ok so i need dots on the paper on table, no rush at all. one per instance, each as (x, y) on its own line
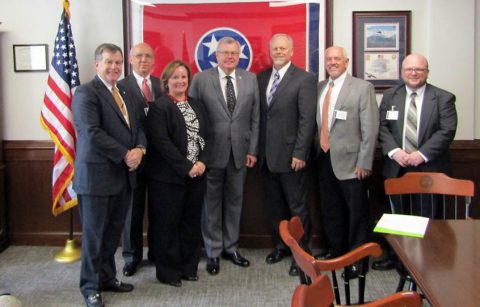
(404, 225)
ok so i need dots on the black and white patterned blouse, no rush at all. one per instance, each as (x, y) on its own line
(195, 142)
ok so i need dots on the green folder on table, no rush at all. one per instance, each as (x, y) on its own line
(403, 225)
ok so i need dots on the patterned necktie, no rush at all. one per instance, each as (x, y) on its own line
(120, 104)
(231, 100)
(275, 83)
(411, 139)
(147, 93)
(324, 143)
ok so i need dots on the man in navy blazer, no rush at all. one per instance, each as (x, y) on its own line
(110, 146)
(233, 148)
(437, 124)
(144, 89)
(286, 132)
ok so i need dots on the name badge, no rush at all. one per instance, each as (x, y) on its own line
(146, 111)
(392, 115)
(341, 115)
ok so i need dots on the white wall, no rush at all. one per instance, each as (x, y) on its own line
(36, 21)
(443, 30)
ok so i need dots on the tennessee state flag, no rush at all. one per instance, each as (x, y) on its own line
(191, 32)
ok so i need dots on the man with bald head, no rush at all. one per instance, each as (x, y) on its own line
(144, 89)
(436, 121)
(347, 121)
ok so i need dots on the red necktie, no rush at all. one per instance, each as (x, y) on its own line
(147, 93)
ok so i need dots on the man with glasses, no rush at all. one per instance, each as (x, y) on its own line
(144, 89)
(418, 122)
(230, 95)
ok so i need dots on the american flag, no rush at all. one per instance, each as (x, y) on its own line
(56, 115)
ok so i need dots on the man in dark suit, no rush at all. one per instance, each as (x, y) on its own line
(110, 146)
(144, 89)
(230, 95)
(288, 100)
(437, 123)
(347, 121)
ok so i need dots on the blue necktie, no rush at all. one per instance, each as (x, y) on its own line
(276, 81)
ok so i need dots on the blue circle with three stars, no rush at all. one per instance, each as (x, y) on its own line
(207, 45)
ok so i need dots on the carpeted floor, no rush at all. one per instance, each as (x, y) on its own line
(32, 275)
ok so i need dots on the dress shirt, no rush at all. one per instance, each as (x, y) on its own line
(337, 86)
(140, 82)
(223, 83)
(281, 73)
(419, 102)
(109, 86)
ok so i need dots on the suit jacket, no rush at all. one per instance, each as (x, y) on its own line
(130, 83)
(103, 139)
(287, 125)
(236, 133)
(438, 124)
(167, 160)
(352, 141)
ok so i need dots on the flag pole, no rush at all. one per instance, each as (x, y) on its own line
(57, 118)
(71, 252)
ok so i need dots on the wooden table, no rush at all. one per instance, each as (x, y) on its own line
(445, 264)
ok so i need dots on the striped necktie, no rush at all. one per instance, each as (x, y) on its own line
(411, 138)
(276, 81)
(120, 104)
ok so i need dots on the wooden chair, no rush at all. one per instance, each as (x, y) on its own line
(320, 294)
(434, 195)
(454, 196)
(291, 231)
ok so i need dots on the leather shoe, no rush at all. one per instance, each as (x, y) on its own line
(353, 271)
(384, 264)
(173, 283)
(190, 277)
(277, 255)
(294, 269)
(236, 258)
(213, 266)
(117, 286)
(130, 268)
(94, 300)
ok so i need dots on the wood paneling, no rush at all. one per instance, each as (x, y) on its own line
(30, 221)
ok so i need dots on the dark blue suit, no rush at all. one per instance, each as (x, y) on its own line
(176, 199)
(102, 179)
(132, 242)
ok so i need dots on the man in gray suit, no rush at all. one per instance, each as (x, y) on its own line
(144, 89)
(437, 123)
(110, 146)
(347, 118)
(230, 95)
(288, 100)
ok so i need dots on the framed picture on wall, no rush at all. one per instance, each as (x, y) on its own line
(381, 40)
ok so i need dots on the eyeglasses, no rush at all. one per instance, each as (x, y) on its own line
(229, 53)
(416, 70)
